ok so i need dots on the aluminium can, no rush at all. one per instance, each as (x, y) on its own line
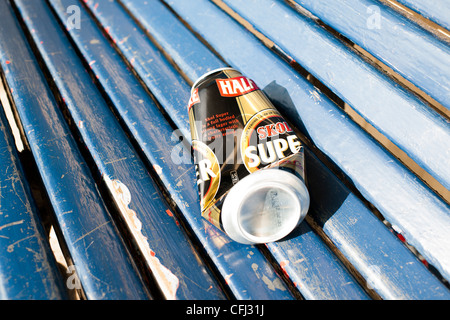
(249, 162)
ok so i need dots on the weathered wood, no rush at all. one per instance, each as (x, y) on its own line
(138, 111)
(113, 77)
(435, 10)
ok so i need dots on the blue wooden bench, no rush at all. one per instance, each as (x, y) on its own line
(99, 91)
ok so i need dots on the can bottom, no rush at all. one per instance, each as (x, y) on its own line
(265, 206)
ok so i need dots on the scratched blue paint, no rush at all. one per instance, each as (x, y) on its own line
(234, 261)
(115, 157)
(435, 10)
(406, 256)
(303, 275)
(27, 267)
(398, 42)
(401, 117)
(395, 191)
(95, 247)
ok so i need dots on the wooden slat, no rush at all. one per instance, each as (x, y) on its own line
(332, 288)
(399, 196)
(393, 39)
(437, 11)
(27, 267)
(142, 207)
(137, 109)
(95, 246)
(402, 118)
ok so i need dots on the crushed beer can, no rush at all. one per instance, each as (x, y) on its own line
(249, 162)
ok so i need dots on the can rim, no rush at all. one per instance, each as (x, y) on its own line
(201, 78)
(263, 178)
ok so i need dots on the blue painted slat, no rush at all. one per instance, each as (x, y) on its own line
(435, 10)
(303, 275)
(142, 207)
(399, 196)
(395, 40)
(100, 257)
(406, 121)
(175, 39)
(313, 269)
(27, 267)
(234, 261)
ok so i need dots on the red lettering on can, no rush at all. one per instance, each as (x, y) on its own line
(273, 129)
(262, 134)
(234, 87)
(280, 127)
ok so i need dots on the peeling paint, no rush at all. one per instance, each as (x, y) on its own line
(283, 265)
(10, 248)
(271, 285)
(167, 281)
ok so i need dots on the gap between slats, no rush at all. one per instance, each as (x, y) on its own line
(143, 157)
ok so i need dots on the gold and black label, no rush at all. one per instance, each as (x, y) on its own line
(235, 131)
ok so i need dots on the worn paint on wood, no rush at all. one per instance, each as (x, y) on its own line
(398, 42)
